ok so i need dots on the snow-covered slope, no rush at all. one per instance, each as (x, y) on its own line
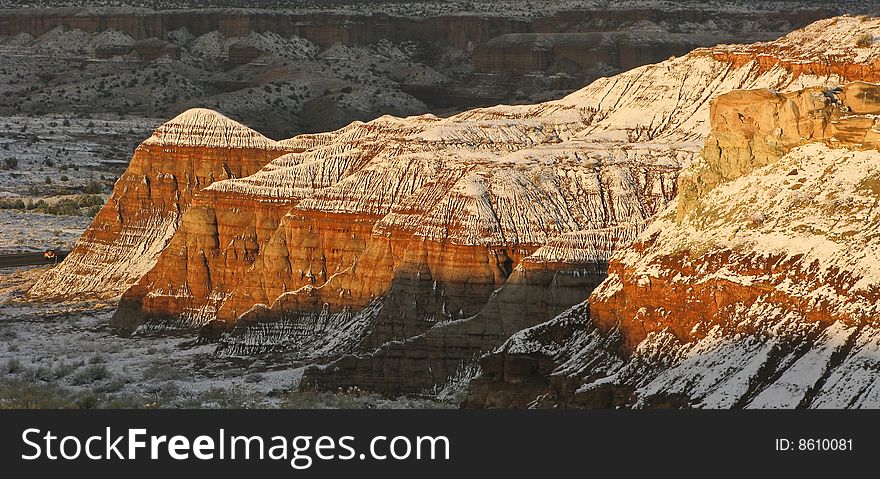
(760, 290)
(200, 127)
(842, 45)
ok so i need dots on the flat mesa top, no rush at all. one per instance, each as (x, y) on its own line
(202, 127)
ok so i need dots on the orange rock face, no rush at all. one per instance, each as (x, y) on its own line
(751, 132)
(148, 201)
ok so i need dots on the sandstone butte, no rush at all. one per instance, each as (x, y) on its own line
(757, 287)
(402, 248)
(183, 156)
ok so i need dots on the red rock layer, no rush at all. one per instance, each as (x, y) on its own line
(146, 206)
(766, 61)
(842, 46)
(687, 287)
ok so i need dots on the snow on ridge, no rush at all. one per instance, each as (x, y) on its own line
(614, 138)
(587, 246)
(109, 267)
(829, 230)
(843, 39)
(202, 127)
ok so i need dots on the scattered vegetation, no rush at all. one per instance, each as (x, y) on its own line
(63, 369)
(353, 398)
(71, 205)
(13, 366)
(90, 374)
(26, 394)
(163, 371)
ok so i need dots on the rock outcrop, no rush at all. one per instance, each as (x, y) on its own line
(675, 113)
(123, 242)
(759, 288)
(396, 252)
(436, 210)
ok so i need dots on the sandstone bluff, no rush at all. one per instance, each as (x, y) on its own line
(396, 252)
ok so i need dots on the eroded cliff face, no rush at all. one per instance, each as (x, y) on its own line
(398, 251)
(655, 113)
(464, 197)
(183, 156)
(759, 288)
(398, 207)
(845, 47)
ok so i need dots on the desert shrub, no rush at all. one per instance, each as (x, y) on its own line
(40, 373)
(19, 394)
(93, 187)
(97, 359)
(12, 204)
(326, 400)
(865, 40)
(112, 386)
(74, 205)
(91, 211)
(162, 371)
(65, 369)
(13, 366)
(10, 163)
(163, 393)
(353, 398)
(232, 398)
(91, 374)
(87, 401)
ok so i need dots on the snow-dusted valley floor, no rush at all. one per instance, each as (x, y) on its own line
(56, 171)
(64, 355)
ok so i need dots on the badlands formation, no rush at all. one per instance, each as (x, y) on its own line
(757, 287)
(395, 253)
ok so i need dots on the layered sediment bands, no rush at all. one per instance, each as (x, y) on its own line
(760, 290)
(324, 29)
(444, 357)
(425, 289)
(813, 154)
(455, 203)
(483, 56)
(413, 245)
(840, 46)
(531, 370)
(196, 280)
(183, 156)
(327, 29)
